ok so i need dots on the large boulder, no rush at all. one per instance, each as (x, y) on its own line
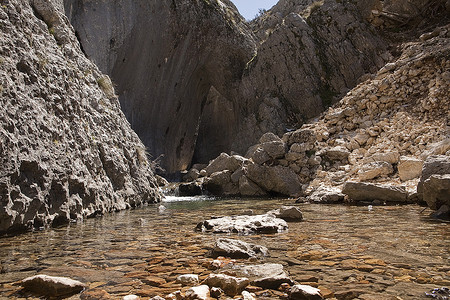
(244, 224)
(224, 162)
(278, 179)
(249, 188)
(433, 165)
(359, 191)
(237, 249)
(220, 184)
(374, 169)
(51, 286)
(326, 194)
(436, 191)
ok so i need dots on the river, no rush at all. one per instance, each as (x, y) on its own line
(379, 252)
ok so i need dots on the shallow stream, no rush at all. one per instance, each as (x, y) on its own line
(347, 251)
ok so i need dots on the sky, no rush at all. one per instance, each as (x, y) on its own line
(250, 8)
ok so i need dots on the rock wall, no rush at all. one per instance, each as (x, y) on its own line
(371, 145)
(186, 68)
(66, 149)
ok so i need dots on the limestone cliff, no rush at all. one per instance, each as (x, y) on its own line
(195, 79)
(66, 150)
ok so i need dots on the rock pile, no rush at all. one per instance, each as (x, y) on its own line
(378, 136)
(67, 151)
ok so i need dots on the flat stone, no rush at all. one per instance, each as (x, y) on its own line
(244, 224)
(359, 191)
(52, 286)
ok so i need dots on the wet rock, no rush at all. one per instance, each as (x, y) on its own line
(288, 213)
(436, 191)
(409, 168)
(433, 165)
(52, 286)
(268, 276)
(359, 191)
(439, 293)
(200, 292)
(161, 181)
(190, 189)
(278, 179)
(188, 279)
(304, 292)
(216, 292)
(229, 284)
(237, 249)
(244, 224)
(443, 213)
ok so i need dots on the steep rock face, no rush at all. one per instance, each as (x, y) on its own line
(194, 80)
(310, 53)
(165, 56)
(66, 149)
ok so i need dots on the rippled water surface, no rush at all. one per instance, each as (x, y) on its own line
(346, 251)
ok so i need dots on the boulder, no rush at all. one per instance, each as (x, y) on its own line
(275, 149)
(436, 164)
(249, 188)
(278, 179)
(326, 194)
(257, 154)
(338, 153)
(436, 191)
(237, 249)
(200, 292)
(229, 284)
(359, 191)
(191, 175)
(304, 292)
(190, 189)
(269, 137)
(244, 224)
(288, 213)
(188, 279)
(51, 286)
(409, 168)
(374, 169)
(224, 162)
(220, 184)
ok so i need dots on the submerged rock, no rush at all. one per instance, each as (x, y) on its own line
(304, 292)
(51, 286)
(244, 224)
(237, 249)
(229, 284)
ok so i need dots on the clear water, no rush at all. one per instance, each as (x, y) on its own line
(386, 251)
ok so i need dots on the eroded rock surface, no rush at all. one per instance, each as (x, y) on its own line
(244, 224)
(67, 151)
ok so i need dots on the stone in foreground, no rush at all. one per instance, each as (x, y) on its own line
(305, 292)
(237, 249)
(436, 191)
(188, 279)
(200, 292)
(244, 224)
(359, 191)
(229, 284)
(52, 286)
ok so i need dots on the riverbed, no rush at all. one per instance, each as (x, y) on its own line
(379, 252)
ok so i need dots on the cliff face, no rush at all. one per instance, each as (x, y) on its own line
(66, 149)
(164, 57)
(194, 79)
